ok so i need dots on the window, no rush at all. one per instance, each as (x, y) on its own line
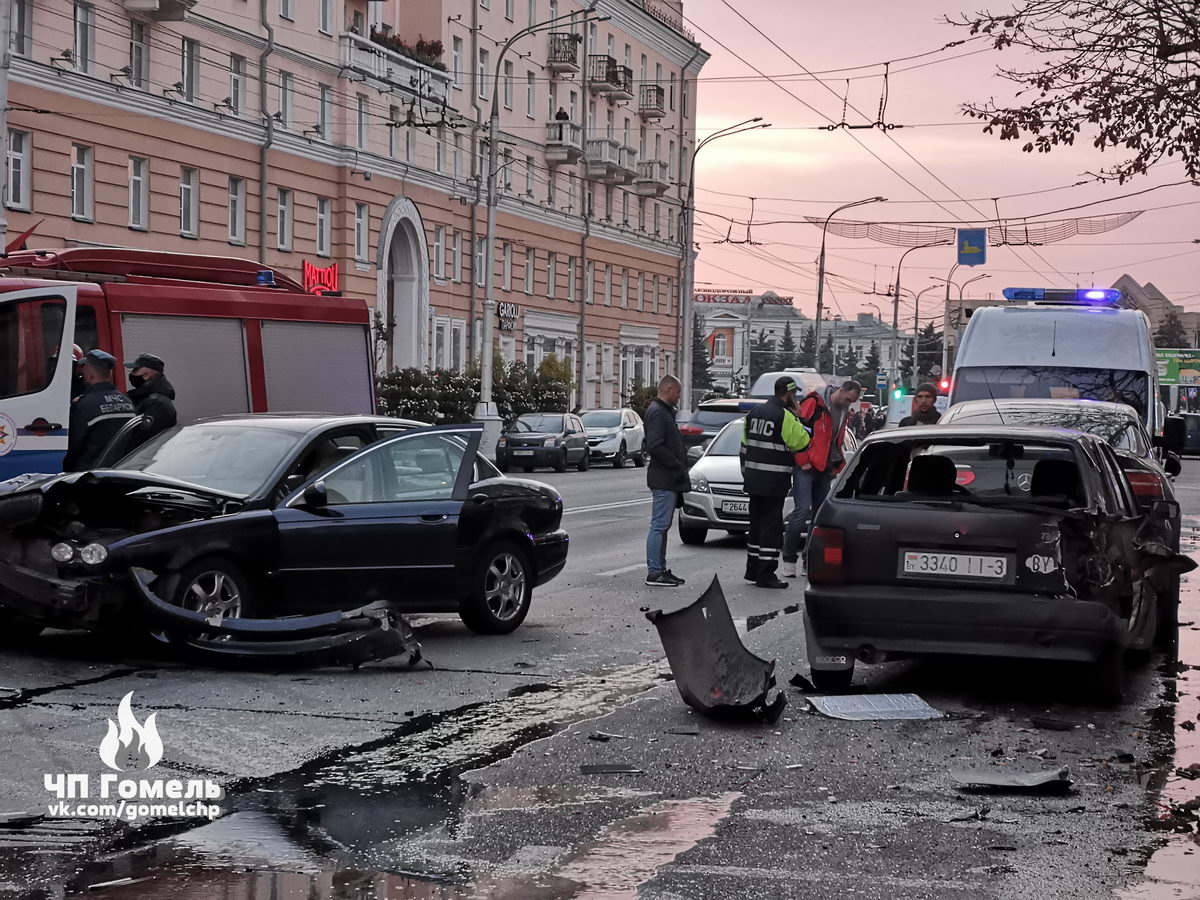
(480, 262)
(506, 263)
(22, 27)
(287, 9)
(362, 226)
(671, 92)
(283, 219)
(456, 156)
(139, 192)
(571, 279)
(324, 15)
(530, 95)
(360, 128)
(439, 150)
(189, 201)
(456, 61)
(589, 283)
(483, 73)
(486, 4)
(608, 279)
(671, 224)
(657, 289)
(624, 289)
(409, 146)
(508, 9)
(641, 294)
(642, 68)
(237, 210)
(85, 36)
(237, 84)
(17, 194)
(439, 252)
(420, 467)
(657, 220)
(81, 182)
(530, 266)
(325, 112)
(139, 55)
(528, 176)
(551, 275)
(189, 69)
(508, 84)
(286, 93)
(531, 12)
(456, 258)
(324, 225)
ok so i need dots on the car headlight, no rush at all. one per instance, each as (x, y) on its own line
(700, 484)
(550, 442)
(93, 554)
(62, 553)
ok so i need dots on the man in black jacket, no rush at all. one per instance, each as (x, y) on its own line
(97, 414)
(925, 412)
(152, 395)
(666, 476)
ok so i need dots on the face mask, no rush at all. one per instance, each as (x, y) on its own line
(137, 380)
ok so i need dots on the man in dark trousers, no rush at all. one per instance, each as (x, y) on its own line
(770, 438)
(97, 414)
(926, 412)
(666, 476)
(152, 395)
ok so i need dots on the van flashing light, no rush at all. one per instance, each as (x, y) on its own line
(1080, 296)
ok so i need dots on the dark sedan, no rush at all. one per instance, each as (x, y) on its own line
(548, 440)
(710, 417)
(905, 560)
(267, 515)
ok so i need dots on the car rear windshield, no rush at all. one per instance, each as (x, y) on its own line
(1050, 382)
(728, 442)
(233, 459)
(538, 422)
(601, 418)
(715, 419)
(980, 470)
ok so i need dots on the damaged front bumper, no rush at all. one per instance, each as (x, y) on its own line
(59, 602)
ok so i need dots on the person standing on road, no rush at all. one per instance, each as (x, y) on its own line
(826, 413)
(770, 437)
(97, 414)
(152, 395)
(926, 412)
(666, 476)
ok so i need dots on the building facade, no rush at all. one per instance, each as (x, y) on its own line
(352, 134)
(1157, 306)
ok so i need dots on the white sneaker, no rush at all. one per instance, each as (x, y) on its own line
(789, 569)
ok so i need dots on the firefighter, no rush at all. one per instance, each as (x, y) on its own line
(152, 395)
(770, 437)
(97, 414)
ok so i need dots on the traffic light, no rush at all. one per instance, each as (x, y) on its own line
(944, 385)
(897, 391)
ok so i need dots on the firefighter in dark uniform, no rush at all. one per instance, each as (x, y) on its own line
(772, 434)
(97, 414)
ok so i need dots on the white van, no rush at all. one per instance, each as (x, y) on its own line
(807, 380)
(1064, 351)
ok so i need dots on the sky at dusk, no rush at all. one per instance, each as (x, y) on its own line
(795, 160)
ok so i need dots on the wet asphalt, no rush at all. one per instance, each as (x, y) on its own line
(468, 778)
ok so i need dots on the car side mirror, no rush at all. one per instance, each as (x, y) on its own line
(1165, 510)
(1173, 436)
(694, 454)
(315, 496)
(1172, 464)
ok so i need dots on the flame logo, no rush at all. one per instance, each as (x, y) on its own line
(139, 745)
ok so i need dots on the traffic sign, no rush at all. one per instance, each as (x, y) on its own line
(972, 246)
(881, 381)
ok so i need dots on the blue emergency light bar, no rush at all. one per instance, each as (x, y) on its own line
(1081, 296)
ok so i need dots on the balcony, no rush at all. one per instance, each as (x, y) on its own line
(602, 160)
(653, 101)
(627, 165)
(564, 142)
(564, 54)
(366, 56)
(604, 74)
(159, 10)
(624, 85)
(653, 178)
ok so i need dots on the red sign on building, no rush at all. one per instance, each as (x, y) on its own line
(318, 280)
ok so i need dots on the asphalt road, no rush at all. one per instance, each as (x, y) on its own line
(464, 779)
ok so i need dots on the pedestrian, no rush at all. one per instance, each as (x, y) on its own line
(97, 414)
(560, 117)
(926, 412)
(826, 414)
(152, 395)
(770, 437)
(666, 476)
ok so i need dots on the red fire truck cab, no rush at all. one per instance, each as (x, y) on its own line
(235, 336)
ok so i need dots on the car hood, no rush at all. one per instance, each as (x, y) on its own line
(599, 430)
(721, 469)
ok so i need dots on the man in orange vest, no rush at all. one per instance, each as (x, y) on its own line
(826, 413)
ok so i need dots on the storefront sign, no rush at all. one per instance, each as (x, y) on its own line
(318, 280)
(508, 313)
(768, 300)
(1178, 366)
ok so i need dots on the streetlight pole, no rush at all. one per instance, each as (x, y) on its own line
(689, 257)
(821, 268)
(485, 410)
(917, 332)
(946, 320)
(895, 367)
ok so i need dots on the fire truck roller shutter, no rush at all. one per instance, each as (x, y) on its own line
(206, 360)
(317, 367)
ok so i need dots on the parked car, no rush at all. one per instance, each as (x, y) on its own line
(554, 440)
(904, 560)
(1191, 441)
(717, 499)
(616, 435)
(273, 515)
(710, 417)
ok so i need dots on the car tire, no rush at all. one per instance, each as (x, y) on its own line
(14, 632)
(585, 461)
(692, 534)
(503, 466)
(500, 590)
(560, 464)
(1167, 635)
(619, 458)
(832, 681)
(639, 459)
(212, 584)
(1108, 676)
(1142, 641)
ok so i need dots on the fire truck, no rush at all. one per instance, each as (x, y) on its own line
(235, 336)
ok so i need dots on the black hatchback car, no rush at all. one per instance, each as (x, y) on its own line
(903, 559)
(271, 515)
(553, 440)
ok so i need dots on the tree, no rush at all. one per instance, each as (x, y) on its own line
(762, 355)
(788, 357)
(871, 363)
(826, 362)
(808, 349)
(1122, 74)
(847, 361)
(702, 379)
(904, 370)
(929, 345)
(1171, 333)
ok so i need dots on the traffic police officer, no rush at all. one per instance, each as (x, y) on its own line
(770, 437)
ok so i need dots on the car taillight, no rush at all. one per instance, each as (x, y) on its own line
(1146, 485)
(690, 429)
(826, 556)
(964, 476)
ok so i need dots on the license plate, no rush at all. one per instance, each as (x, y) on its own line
(736, 507)
(522, 453)
(953, 565)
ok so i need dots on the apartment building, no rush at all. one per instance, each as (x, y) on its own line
(344, 142)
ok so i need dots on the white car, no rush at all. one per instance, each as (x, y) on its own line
(717, 498)
(615, 435)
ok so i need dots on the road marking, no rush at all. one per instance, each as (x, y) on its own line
(618, 505)
(622, 570)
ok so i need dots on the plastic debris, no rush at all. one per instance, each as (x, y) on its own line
(1049, 781)
(609, 769)
(864, 707)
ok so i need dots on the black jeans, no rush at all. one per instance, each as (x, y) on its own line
(765, 537)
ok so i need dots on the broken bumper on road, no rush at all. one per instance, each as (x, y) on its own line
(56, 602)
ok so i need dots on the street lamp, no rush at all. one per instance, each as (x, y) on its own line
(896, 306)
(689, 257)
(946, 315)
(485, 410)
(821, 265)
(917, 331)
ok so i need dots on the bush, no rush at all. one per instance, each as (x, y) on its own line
(448, 398)
(639, 397)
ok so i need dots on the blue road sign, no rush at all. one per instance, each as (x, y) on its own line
(972, 246)
(881, 381)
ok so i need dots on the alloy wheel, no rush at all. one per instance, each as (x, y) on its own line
(504, 586)
(214, 593)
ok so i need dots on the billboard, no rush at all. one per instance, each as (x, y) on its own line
(1178, 366)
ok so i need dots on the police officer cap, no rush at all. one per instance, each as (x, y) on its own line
(147, 361)
(783, 385)
(100, 359)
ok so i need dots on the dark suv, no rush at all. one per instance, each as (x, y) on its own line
(554, 440)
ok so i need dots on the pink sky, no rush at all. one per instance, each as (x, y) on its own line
(793, 160)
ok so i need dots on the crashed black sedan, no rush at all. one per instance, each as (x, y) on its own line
(263, 516)
(1042, 553)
